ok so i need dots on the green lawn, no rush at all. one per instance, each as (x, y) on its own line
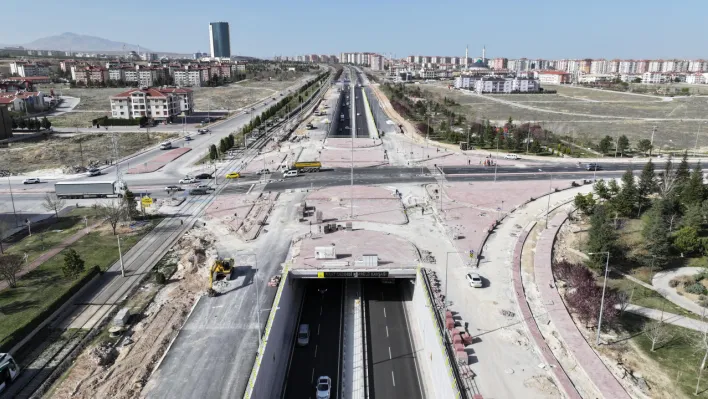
(49, 236)
(678, 358)
(38, 289)
(642, 296)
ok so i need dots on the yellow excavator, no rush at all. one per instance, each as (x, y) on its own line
(220, 270)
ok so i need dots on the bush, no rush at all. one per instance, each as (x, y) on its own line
(160, 278)
(703, 303)
(673, 283)
(696, 289)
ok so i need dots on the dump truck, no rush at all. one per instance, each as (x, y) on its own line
(89, 189)
(220, 270)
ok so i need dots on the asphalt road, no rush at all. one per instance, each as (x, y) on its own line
(362, 127)
(322, 310)
(342, 127)
(392, 368)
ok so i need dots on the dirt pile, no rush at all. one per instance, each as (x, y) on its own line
(120, 369)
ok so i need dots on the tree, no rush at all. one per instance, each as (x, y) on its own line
(113, 212)
(52, 203)
(45, 123)
(693, 190)
(644, 145)
(667, 179)
(223, 146)
(213, 152)
(687, 240)
(626, 200)
(613, 188)
(128, 204)
(693, 216)
(605, 145)
(622, 144)
(14, 123)
(585, 203)
(22, 123)
(683, 171)
(655, 233)
(143, 120)
(10, 265)
(601, 235)
(73, 264)
(647, 184)
(600, 188)
(658, 332)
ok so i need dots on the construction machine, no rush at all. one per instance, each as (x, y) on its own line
(220, 270)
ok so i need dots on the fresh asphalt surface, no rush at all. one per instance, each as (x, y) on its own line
(322, 310)
(341, 128)
(392, 367)
(362, 128)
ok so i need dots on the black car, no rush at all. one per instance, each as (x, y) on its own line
(203, 176)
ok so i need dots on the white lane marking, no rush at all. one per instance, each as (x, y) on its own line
(384, 312)
(389, 353)
(392, 378)
(320, 310)
(387, 332)
(318, 329)
(312, 379)
(315, 350)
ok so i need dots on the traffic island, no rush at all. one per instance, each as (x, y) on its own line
(371, 204)
(159, 161)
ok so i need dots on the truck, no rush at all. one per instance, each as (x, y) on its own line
(89, 189)
(306, 166)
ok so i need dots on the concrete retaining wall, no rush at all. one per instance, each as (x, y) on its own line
(438, 365)
(271, 366)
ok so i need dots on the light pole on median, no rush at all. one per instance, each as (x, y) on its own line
(550, 191)
(120, 255)
(12, 199)
(604, 287)
(695, 148)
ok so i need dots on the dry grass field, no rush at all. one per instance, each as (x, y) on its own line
(593, 113)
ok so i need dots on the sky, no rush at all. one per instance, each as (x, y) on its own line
(513, 28)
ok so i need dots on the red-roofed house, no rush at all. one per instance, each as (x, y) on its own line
(89, 74)
(26, 101)
(553, 77)
(148, 102)
(186, 97)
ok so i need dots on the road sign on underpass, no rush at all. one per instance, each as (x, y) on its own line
(366, 274)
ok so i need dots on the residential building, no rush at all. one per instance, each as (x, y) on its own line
(598, 67)
(377, 62)
(219, 40)
(627, 67)
(426, 73)
(553, 77)
(698, 66)
(148, 102)
(186, 98)
(655, 78)
(656, 65)
(89, 74)
(130, 75)
(494, 84)
(26, 69)
(613, 66)
(641, 66)
(669, 66)
(500, 63)
(191, 77)
(24, 101)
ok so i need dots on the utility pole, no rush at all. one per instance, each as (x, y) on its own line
(604, 287)
(120, 255)
(653, 130)
(12, 198)
(81, 152)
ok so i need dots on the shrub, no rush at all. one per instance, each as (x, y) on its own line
(673, 283)
(703, 303)
(696, 289)
(160, 278)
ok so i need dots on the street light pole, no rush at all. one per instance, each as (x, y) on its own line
(496, 160)
(695, 148)
(550, 191)
(653, 130)
(12, 198)
(120, 255)
(604, 287)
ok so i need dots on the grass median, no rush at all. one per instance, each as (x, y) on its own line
(39, 290)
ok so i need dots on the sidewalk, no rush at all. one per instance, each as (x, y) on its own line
(670, 318)
(49, 254)
(585, 355)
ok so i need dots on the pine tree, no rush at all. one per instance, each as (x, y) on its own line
(626, 199)
(213, 152)
(622, 144)
(601, 236)
(683, 171)
(656, 234)
(600, 188)
(693, 191)
(73, 264)
(647, 185)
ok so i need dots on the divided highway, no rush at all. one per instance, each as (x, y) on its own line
(392, 367)
(362, 127)
(322, 311)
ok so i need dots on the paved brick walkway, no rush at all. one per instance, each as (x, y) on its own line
(159, 161)
(49, 254)
(530, 321)
(586, 357)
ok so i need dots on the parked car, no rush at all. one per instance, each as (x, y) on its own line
(31, 180)
(93, 172)
(173, 188)
(511, 156)
(324, 384)
(474, 280)
(203, 176)
(187, 180)
(233, 175)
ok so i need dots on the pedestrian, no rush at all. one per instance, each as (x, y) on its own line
(181, 222)
(320, 226)
(468, 161)
(422, 211)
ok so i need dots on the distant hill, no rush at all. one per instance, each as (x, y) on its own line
(75, 42)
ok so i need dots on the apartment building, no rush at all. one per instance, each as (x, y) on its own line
(628, 67)
(656, 66)
(553, 77)
(377, 62)
(655, 78)
(697, 78)
(497, 85)
(24, 101)
(500, 63)
(191, 77)
(27, 69)
(599, 66)
(641, 66)
(89, 74)
(186, 97)
(148, 102)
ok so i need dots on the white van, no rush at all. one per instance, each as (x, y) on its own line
(303, 335)
(291, 173)
(9, 370)
(166, 145)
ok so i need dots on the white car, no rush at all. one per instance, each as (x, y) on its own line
(205, 187)
(31, 180)
(324, 385)
(474, 279)
(94, 172)
(187, 180)
(511, 156)
(291, 173)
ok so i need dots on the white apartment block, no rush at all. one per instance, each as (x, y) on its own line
(425, 73)
(627, 67)
(377, 62)
(553, 77)
(655, 66)
(654, 78)
(26, 69)
(186, 98)
(497, 85)
(669, 66)
(149, 102)
(599, 67)
(697, 78)
(190, 77)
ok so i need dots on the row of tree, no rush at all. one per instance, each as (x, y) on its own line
(31, 123)
(607, 145)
